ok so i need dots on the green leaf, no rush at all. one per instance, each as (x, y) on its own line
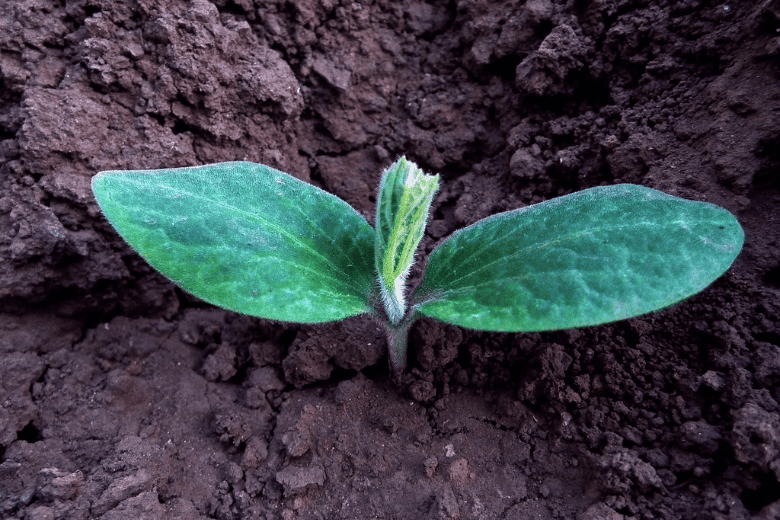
(246, 237)
(405, 196)
(593, 257)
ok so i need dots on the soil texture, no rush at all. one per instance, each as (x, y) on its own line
(121, 397)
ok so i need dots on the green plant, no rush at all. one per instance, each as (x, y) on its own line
(258, 241)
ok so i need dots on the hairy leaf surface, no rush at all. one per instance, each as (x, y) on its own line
(405, 196)
(593, 257)
(247, 238)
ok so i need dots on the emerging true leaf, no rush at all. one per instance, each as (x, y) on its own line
(405, 196)
(593, 257)
(246, 237)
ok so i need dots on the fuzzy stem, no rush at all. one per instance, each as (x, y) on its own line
(397, 341)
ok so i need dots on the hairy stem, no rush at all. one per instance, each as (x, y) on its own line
(397, 340)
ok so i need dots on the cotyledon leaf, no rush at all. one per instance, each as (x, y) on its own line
(246, 237)
(592, 257)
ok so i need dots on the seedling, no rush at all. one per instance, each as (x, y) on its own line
(257, 241)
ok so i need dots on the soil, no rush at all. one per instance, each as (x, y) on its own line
(125, 398)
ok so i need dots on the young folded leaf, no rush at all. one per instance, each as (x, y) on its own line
(405, 196)
(592, 257)
(247, 238)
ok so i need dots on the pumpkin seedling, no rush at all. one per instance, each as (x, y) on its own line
(257, 241)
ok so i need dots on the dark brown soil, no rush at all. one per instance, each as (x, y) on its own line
(123, 398)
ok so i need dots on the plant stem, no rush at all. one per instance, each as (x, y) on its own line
(397, 341)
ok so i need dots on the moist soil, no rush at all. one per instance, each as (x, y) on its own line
(121, 397)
